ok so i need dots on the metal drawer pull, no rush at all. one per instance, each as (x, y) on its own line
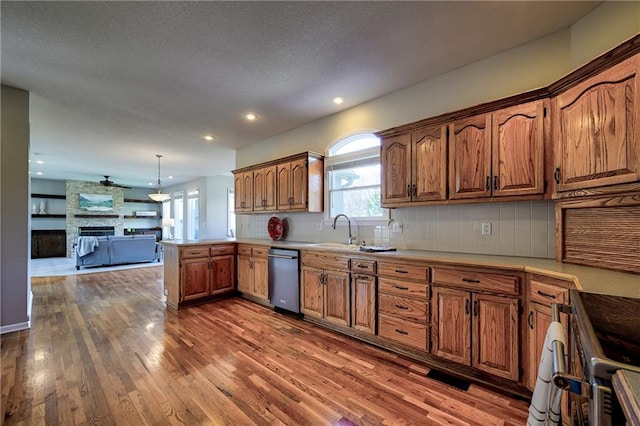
(542, 293)
(529, 318)
(362, 266)
(195, 252)
(470, 280)
(401, 271)
(401, 288)
(401, 307)
(401, 331)
(363, 277)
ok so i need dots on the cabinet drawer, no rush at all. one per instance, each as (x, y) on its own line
(403, 288)
(326, 261)
(222, 249)
(244, 250)
(367, 267)
(404, 332)
(546, 294)
(260, 251)
(404, 271)
(403, 307)
(192, 252)
(477, 281)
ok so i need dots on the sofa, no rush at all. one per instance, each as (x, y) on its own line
(116, 250)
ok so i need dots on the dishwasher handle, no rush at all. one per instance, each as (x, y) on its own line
(281, 256)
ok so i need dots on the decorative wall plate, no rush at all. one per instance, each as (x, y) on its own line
(275, 229)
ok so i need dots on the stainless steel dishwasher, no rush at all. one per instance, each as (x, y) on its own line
(284, 278)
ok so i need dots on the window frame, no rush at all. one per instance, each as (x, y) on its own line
(362, 155)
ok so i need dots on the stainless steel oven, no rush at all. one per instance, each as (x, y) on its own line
(597, 322)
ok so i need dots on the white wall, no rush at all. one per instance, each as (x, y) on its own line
(15, 285)
(519, 229)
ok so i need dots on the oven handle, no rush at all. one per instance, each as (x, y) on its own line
(560, 377)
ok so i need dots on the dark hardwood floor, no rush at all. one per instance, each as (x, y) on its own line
(103, 349)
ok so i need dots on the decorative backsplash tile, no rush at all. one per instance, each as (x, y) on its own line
(524, 228)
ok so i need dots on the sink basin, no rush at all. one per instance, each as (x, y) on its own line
(337, 246)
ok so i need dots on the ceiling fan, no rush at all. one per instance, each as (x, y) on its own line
(107, 182)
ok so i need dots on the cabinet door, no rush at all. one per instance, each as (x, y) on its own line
(260, 278)
(270, 188)
(495, 335)
(337, 297)
(238, 191)
(259, 199)
(244, 274)
(243, 191)
(395, 161)
(518, 150)
(283, 183)
(597, 130)
(298, 186)
(195, 278)
(451, 327)
(429, 164)
(470, 157)
(363, 303)
(223, 273)
(312, 292)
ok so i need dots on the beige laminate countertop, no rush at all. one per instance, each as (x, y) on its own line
(587, 279)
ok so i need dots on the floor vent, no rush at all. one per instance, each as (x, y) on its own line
(449, 380)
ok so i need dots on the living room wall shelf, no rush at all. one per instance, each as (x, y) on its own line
(50, 216)
(97, 216)
(132, 216)
(52, 196)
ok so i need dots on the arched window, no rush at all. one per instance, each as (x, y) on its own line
(353, 174)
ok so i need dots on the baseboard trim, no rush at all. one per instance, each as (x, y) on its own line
(15, 327)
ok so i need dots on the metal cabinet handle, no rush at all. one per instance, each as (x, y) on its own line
(362, 277)
(401, 331)
(401, 271)
(409, 190)
(401, 307)
(401, 288)
(362, 266)
(470, 280)
(542, 293)
(488, 183)
(495, 182)
(466, 306)
(415, 190)
(475, 308)
(556, 175)
(530, 319)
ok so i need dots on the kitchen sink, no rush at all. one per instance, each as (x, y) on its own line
(337, 246)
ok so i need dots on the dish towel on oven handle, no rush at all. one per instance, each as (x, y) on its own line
(546, 399)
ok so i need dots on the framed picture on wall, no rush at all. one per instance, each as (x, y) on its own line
(96, 202)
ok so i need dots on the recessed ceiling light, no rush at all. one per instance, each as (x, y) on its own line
(150, 183)
(40, 162)
(338, 100)
(170, 177)
(209, 137)
(39, 173)
(250, 116)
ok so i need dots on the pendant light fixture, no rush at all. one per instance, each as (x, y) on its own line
(158, 195)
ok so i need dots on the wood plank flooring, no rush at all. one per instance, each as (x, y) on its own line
(103, 349)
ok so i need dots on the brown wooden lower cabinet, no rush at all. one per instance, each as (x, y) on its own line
(363, 295)
(479, 330)
(48, 243)
(253, 278)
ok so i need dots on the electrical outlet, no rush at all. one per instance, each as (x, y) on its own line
(166, 292)
(396, 228)
(486, 228)
(319, 226)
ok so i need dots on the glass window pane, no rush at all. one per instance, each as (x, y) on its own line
(362, 202)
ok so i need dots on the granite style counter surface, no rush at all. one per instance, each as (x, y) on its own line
(584, 278)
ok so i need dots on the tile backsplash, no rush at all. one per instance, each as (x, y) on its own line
(524, 228)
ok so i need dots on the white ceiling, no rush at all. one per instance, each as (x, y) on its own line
(114, 83)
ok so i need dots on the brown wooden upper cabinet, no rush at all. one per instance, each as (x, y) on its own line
(264, 189)
(498, 154)
(294, 183)
(243, 192)
(414, 167)
(597, 130)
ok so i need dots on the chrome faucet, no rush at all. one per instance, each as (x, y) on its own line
(351, 237)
